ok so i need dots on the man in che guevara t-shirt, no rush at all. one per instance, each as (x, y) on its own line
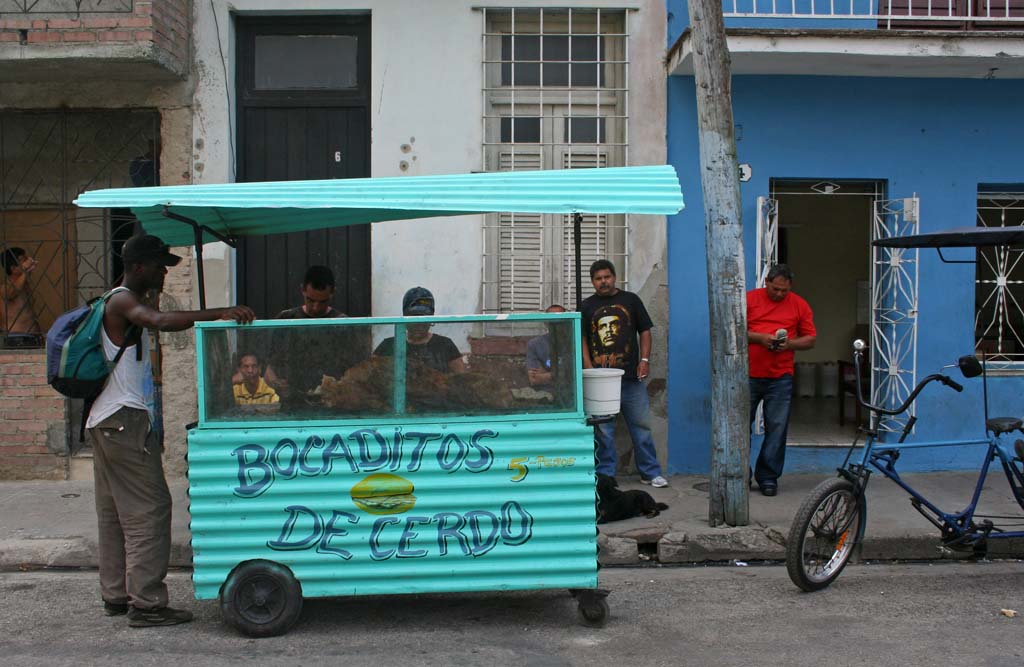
(617, 334)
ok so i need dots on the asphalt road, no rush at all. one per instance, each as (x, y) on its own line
(940, 614)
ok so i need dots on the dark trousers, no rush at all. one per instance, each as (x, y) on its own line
(776, 394)
(133, 508)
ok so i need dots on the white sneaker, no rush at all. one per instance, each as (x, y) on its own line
(658, 482)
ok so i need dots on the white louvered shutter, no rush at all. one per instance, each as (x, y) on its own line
(520, 272)
(593, 236)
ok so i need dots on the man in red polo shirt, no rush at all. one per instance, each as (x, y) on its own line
(778, 323)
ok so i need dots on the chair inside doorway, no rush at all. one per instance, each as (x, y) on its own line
(848, 389)
(847, 377)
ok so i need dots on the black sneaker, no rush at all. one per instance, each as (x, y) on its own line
(151, 618)
(115, 608)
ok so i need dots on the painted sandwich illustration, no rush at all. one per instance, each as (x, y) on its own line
(383, 493)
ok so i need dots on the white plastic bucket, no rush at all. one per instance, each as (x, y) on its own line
(806, 379)
(602, 391)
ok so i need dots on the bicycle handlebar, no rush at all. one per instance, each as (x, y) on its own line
(952, 384)
(944, 379)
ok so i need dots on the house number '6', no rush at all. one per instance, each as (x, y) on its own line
(337, 156)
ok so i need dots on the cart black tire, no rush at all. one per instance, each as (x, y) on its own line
(824, 534)
(261, 598)
(593, 613)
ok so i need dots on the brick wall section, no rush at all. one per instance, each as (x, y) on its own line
(499, 345)
(164, 23)
(32, 419)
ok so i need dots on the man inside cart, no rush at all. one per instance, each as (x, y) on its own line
(252, 389)
(539, 369)
(133, 503)
(301, 356)
(433, 350)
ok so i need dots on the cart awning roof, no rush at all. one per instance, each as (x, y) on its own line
(243, 209)
(958, 237)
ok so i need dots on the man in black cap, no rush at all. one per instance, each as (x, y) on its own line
(433, 350)
(133, 504)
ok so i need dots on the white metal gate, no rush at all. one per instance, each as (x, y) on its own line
(894, 278)
(767, 237)
(767, 249)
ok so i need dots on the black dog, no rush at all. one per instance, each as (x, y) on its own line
(614, 504)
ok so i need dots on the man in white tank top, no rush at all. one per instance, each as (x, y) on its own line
(133, 504)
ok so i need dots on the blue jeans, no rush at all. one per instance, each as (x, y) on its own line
(637, 412)
(776, 393)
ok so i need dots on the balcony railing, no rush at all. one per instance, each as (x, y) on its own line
(888, 14)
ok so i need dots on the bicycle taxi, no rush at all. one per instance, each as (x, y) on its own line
(829, 526)
(391, 477)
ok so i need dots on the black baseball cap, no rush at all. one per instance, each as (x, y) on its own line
(418, 301)
(148, 248)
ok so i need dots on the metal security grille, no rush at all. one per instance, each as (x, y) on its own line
(47, 159)
(894, 305)
(999, 282)
(555, 96)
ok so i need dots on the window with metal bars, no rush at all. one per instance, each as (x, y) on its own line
(555, 97)
(999, 279)
(47, 158)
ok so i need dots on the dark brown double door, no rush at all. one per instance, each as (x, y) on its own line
(303, 110)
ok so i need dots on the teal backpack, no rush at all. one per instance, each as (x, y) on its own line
(75, 363)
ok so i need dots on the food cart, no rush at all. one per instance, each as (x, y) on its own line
(390, 475)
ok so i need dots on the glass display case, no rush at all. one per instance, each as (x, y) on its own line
(383, 369)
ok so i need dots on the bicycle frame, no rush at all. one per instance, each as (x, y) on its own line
(958, 528)
(819, 543)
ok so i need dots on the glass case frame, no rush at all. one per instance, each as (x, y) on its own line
(399, 415)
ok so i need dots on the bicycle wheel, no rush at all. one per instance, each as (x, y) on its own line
(823, 534)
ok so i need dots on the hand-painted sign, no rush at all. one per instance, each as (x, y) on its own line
(377, 514)
(370, 450)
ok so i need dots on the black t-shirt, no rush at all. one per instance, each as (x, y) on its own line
(303, 355)
(610, 328)
(435, 353)
(299, 313)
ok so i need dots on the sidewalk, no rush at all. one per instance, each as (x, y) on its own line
(54, 523)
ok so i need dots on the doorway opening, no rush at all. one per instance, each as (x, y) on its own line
(824, 235)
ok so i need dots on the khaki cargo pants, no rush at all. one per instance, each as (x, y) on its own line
(133, 506)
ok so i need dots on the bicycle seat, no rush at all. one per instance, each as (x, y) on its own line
(1000, 425)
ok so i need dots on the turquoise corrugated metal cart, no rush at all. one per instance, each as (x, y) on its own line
(396, 477)
(377, 470)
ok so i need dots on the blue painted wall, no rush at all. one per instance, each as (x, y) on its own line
(938, 138)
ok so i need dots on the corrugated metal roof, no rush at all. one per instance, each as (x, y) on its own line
(241, 209)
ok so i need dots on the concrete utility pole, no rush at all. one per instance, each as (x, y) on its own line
(730, 391)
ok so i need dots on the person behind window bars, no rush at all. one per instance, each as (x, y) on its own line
(17, 320)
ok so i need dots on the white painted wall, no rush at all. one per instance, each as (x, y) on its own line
(426, 92)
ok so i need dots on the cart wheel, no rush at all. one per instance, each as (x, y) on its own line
(593, 612)
(261, 599)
